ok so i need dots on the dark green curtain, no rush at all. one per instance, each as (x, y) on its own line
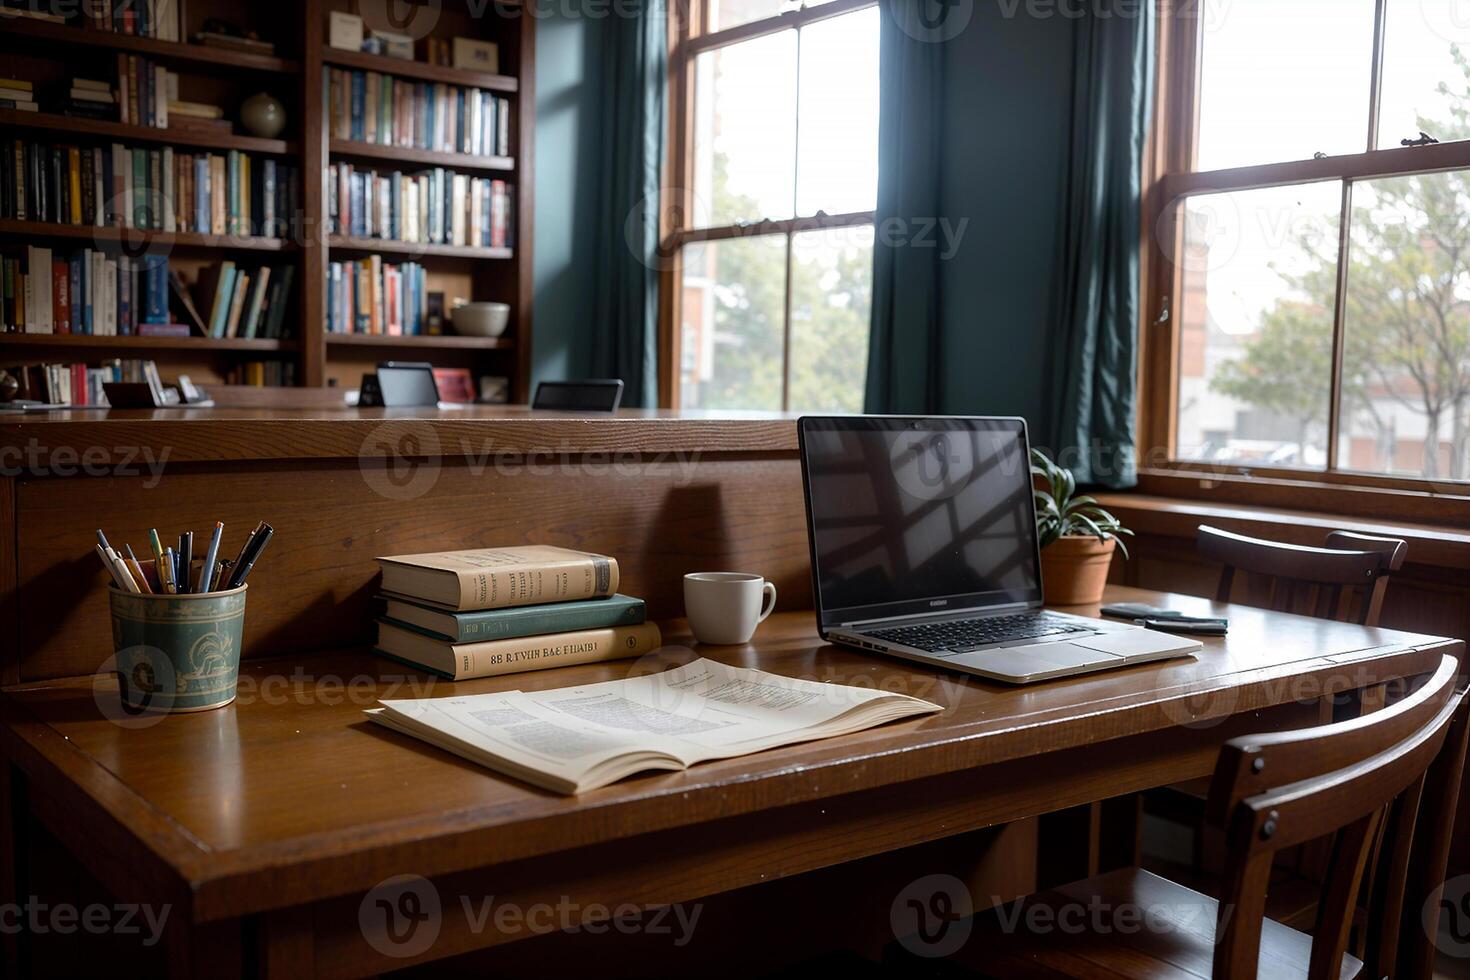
(905, 348)
(1094, 386)
(625, 330)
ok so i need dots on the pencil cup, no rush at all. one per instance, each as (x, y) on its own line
(177, 653)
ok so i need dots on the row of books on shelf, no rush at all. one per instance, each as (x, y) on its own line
(162, 20)
(153, 189)
(436, 206)
(370, 296)
(80, 384)
(141, 18)
(93, 293)
(372, 107)
(87, 292)
(263, 374)
(250, 303)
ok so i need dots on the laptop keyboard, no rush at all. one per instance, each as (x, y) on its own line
(963, 636)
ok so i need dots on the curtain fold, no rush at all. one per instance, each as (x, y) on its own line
(905, 347)
(1094, 384)
(624, 333)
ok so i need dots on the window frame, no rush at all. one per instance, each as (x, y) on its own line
(689, 38)
(1169, 178)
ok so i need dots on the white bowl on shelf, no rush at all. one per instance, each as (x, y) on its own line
(480, 319)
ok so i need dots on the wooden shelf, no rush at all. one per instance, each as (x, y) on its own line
(16, 119)
(91, 342)
(449, 341)
(23, 30)
(432, 158)
(417, 249)
(108, 234)
(420, 70)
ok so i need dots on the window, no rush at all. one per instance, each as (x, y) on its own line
(1311, 267)
(773, 175)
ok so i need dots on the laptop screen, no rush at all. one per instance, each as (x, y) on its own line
(911, 515)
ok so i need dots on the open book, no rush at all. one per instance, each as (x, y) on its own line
(579, 738)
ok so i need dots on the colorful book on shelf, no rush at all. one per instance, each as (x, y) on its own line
(490, 658)
(517, 621)
(497, 578)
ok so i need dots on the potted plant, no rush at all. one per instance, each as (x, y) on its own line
(1077, 537)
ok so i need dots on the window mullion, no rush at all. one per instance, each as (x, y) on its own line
(786, 331)
(1339, 317)
(1375, 85)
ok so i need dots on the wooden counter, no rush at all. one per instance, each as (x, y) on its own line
(182, 435)
(664, 492)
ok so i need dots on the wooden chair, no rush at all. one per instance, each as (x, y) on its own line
(1345, 580)
(1397, 769)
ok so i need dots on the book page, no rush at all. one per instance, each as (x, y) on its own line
(706, 709)
(509, 728)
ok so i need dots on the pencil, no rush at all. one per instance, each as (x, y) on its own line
(132, 563)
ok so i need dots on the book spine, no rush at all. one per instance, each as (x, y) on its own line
(496, 657)
(522, 585)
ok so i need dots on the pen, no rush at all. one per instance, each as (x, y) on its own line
(206, 571)
(186, 560)
(245, 548)
(157, 547)
(222, 573)
(258, 542)
(166, 576)
(111, 568)
(132, 562)
(124, 573)
(102, 540)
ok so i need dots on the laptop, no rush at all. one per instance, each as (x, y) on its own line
(924, 546)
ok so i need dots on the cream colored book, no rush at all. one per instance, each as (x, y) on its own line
(575, 739)
(488, 658)
(496, 578)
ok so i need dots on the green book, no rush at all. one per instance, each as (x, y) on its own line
(504, 624)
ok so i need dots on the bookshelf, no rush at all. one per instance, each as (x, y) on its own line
(297, 74)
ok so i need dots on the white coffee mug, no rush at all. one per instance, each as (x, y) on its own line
(726, 607)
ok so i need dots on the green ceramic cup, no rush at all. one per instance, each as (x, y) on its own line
(177, 653)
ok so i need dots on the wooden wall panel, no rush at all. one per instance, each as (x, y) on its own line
(313, 588)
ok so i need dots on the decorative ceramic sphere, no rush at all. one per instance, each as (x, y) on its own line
(263, 115)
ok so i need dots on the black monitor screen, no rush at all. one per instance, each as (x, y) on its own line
(916, 515)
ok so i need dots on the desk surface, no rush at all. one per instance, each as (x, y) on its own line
(200, 434)
(289, 795)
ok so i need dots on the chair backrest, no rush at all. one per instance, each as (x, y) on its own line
(596, 395)
(1344, 580)
(1363, 779)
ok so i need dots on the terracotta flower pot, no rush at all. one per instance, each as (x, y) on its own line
(1074, 569)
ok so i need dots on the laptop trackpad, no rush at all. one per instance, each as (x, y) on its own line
(1042, 658)
(1126, 643)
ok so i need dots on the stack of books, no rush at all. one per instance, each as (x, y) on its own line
(90, 99)
(373, 108)
(376, 297)
(16, 93)
(466, 614)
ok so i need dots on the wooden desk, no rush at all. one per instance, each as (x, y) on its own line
(267, 823)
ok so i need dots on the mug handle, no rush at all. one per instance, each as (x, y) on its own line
(769, 589)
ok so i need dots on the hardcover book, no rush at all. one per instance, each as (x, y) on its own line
(495, 578)
(502, 624)
(489, 658)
